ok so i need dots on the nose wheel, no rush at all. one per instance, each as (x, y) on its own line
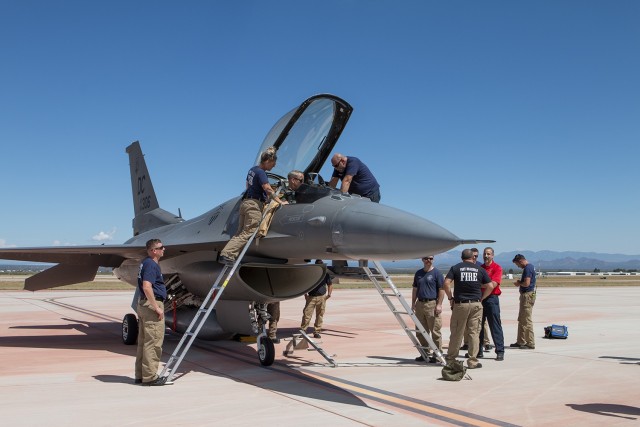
(266, 350)
(130, 329)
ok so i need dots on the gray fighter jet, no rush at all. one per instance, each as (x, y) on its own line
(323, 223)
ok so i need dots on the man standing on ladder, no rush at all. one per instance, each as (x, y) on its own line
(426, 302)
(258, 191)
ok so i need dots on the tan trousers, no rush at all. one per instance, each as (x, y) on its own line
(274, 311)
(150, 339)
(525, 319)
(250, 217)
(487, 341)
(317, 304)
(432, 322)
(465, 316)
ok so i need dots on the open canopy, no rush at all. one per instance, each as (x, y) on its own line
(305, 136)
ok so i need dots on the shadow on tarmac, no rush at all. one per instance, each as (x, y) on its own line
(237, 361)
(607, 409)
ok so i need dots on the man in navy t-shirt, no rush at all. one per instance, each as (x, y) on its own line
(153, 294)
(426, 302)
(316, 301)
(527, 285)
(355, 176)
(257, 192)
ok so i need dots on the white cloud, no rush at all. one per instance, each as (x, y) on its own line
(102, 235)
(3, 244)
(59, 243)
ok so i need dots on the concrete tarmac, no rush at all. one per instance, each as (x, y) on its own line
(63, 363)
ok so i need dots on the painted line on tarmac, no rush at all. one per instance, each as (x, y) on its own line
(421, 407)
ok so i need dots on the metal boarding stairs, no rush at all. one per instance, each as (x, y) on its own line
(201, 316)
(302, 341)
(391, 292)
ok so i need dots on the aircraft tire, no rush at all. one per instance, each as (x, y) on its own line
(129, 329)
(266, 352)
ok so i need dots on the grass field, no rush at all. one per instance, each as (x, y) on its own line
(107, 282)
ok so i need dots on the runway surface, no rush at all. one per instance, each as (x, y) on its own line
(63, 363)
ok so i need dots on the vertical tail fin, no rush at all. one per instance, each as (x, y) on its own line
(144, 196)
(147, 212)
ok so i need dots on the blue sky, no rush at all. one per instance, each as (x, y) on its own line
(513, 121)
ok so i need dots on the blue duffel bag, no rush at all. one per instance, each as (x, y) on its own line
(556, 331)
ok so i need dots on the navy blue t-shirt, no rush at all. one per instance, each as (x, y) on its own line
(467, 279)
(428, 283)
(528, 271)
(363, 182)
(150, 272)
(321, 289)
(256, 178)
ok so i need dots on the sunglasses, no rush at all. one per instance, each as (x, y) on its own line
(427, 258)
(159, 248)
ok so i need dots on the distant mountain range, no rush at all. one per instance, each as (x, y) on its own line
(543, 260)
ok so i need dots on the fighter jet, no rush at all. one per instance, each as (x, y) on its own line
(322, 223)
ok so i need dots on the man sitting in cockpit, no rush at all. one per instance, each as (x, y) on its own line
(295, 179)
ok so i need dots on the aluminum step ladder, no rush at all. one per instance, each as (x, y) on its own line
(301, 341)
(391, 293)
(201, 316)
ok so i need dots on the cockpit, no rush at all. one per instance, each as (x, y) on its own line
(304, 138)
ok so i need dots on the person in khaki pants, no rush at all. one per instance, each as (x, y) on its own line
(527, 286)
(316, 300)
(466, 304)
(426, 302)
(151, 316)
(257, 192)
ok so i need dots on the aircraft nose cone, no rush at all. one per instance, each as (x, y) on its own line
(366, 230)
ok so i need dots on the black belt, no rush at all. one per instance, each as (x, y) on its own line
(155, 297)
(465, 301)
(426, 299)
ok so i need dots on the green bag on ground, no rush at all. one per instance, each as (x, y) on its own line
(454, 370)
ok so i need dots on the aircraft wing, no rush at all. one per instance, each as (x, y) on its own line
(102, 255)
(76, 264)
(98, 255)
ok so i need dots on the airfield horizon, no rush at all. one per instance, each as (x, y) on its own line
(105, 282)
